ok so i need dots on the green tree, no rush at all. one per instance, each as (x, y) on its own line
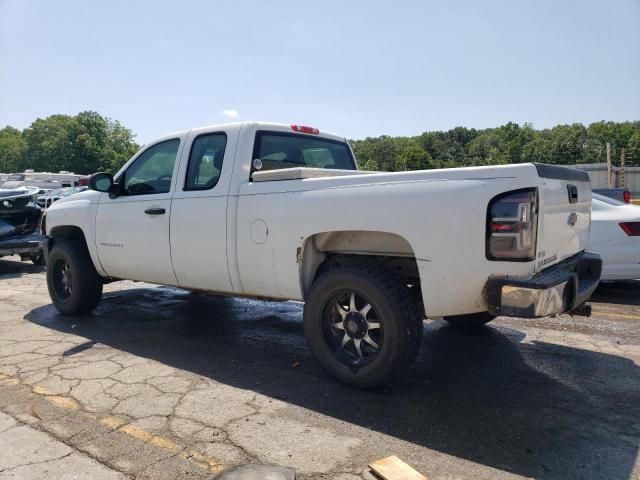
(413, 157)
(632, 154)
(441, 148)
(85, 143)
(121, 146)
(51, 143)
(12, 150)
(508, 143)
(539, 149)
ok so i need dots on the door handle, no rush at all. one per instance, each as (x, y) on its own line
(155, 211)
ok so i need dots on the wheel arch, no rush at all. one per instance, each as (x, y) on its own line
(320, 250)
(76, 234)
(68, 232)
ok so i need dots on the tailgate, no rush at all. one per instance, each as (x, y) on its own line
(564, 213)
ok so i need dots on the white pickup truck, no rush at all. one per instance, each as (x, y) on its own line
(280, 212)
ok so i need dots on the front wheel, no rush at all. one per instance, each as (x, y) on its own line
(38, 259)
(74, 285)
(362, 324)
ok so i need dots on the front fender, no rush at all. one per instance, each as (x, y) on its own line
(77, 213)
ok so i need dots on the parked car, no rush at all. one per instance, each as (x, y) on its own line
(620, 194)
(47, 197)
(20, 223)
(281, 212)
(615, 236)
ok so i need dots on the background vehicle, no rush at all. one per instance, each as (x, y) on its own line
(621, 194)
(19, 224)
(47, 197)
(615, 236)
(280, 211)
(28, 178)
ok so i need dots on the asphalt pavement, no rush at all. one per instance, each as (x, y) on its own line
(161, 383)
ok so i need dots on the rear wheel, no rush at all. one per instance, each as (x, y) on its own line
(74, 285)
(470, 320)
(362, 325)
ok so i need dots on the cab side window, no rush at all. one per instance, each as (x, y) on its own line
(205, 161)
(152, 171)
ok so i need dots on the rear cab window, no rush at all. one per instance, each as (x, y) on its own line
(278, 150)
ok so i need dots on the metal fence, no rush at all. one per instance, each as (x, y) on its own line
(628, 177)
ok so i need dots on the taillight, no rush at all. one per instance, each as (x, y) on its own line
(626, 196)
(305, 129)
(631, 228)
(512, 226)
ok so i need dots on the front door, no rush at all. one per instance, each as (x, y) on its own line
(132, 230)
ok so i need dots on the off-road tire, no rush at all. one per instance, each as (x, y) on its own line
(472, 320)
(86, 283)
(38, 259)
(400, 314)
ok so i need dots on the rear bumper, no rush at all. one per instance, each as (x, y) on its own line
(557, 289)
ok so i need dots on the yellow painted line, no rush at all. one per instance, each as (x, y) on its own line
(112, 422)
(204, 460)
(615, 315)
(9, 381)
(42, 391)
(64, 402)
(118, 424)
(136, 432)
(162, 442)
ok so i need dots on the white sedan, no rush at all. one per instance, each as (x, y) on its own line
(615, 235)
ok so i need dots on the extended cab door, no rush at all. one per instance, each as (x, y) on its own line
(199, 210)
(132, 230)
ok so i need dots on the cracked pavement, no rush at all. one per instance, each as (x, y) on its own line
(161, 383)
(33, 454)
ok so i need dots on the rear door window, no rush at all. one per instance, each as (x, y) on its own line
(205, 161)
(278, 150)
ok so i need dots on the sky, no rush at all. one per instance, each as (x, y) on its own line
(356, 68)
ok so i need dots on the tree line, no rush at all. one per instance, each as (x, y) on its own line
(84, 143)
(88, 142)
(510, 143)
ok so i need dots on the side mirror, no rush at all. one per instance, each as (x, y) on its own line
(101, 182)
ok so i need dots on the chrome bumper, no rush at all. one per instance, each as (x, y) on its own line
(558, 289)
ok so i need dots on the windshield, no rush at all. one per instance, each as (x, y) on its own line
(277, 150)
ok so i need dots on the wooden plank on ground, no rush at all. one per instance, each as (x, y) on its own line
(392, 468)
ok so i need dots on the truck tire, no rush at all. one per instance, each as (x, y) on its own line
(470, 320)
(38, 259)
(74, 285)
(362, 324)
